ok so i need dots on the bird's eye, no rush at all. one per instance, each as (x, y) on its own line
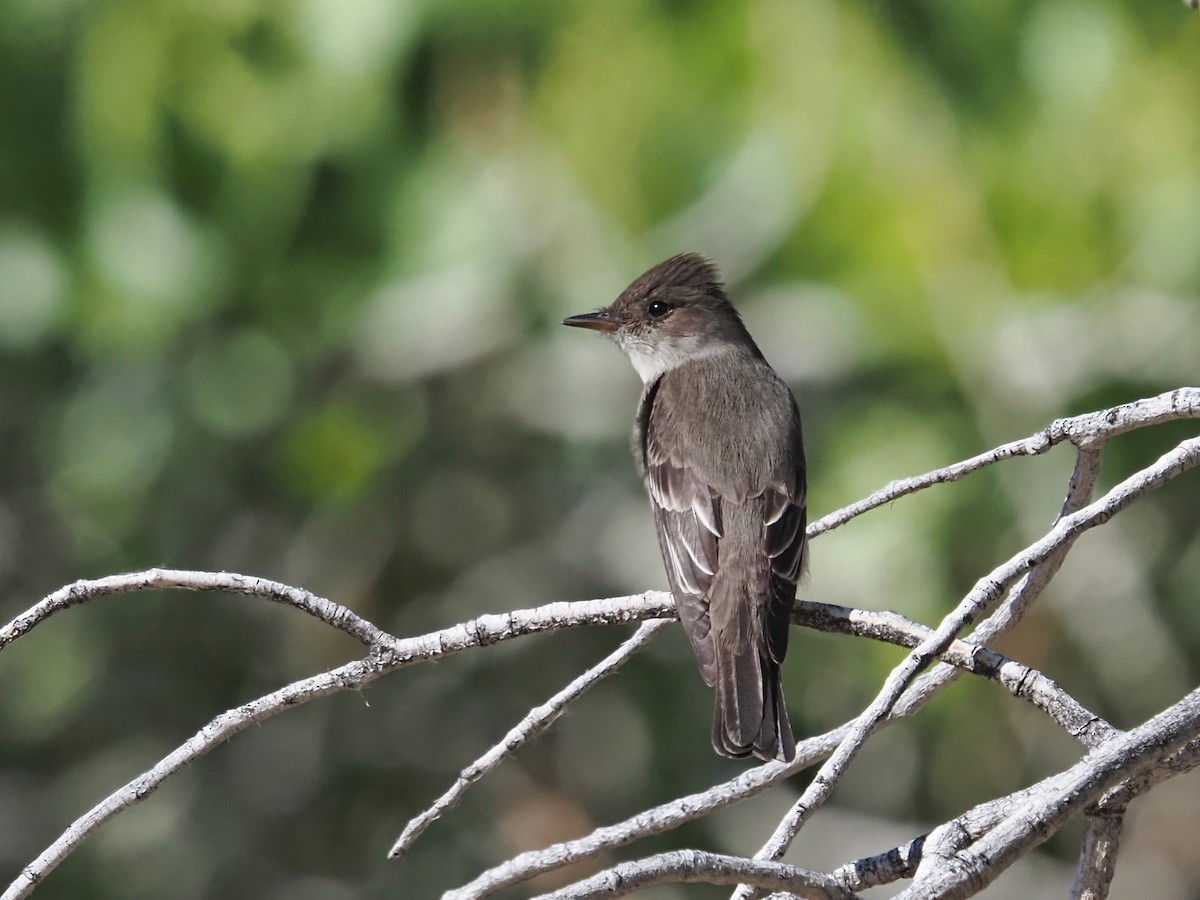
(658, 309)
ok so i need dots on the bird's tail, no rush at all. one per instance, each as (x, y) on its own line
(750, 715)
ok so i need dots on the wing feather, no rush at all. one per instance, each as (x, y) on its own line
(688, 515)
(785, 543)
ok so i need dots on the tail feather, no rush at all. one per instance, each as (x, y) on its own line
(750, 715)
(740, 702)
(775, 739)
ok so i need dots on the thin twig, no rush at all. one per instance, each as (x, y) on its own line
(82, 591)
(1084, 431)
(538, 720)
(652, 821)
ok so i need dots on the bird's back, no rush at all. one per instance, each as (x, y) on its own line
(730, 419)
(720, 446)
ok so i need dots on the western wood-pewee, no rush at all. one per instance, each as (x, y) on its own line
(718, 442)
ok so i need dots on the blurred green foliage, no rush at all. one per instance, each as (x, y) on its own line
(279, 293)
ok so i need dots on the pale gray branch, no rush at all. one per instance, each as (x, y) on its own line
(1084, 431)
(655, 820)
(965, 656)
(1098, 855)
(962, 831)
(1009, 614)
(943, 841)
(387, 653)
(885, 868)
(347, 677)
(879, 625)
(700, 867)
(179, 580)
(985, 592)
(538, 720)
(1055, 800)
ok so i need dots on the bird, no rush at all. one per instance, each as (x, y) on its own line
(719, 445)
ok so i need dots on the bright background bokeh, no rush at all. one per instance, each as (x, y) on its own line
(280, 286)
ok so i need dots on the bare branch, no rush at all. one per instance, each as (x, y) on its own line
(486, 630)
(1020, 680)
(1057, 799)
(1031, 585)
(697, 866)
(962, 831)
(943, 841)
(985, 592)
(1078, 721)
(966, 656)
(1098, 855)
(347, 677)
(1084, 431)
(1034, 567)
(1179, 763)
(538, 720)
(652, 821)
(885, 868)
(1106, 819)
(490, 629)
(178, 580)
(387, 654)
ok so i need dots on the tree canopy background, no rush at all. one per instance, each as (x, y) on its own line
(280, 292)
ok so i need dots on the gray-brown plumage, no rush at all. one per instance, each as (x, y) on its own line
(719, 444)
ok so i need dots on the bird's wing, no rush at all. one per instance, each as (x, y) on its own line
(688, 516)
(688, 499)
(785, 513)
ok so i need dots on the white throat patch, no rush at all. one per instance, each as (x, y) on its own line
(651, 362)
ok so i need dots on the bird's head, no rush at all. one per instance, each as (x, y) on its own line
(673, 313)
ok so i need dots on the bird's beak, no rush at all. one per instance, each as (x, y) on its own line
(597, 321)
